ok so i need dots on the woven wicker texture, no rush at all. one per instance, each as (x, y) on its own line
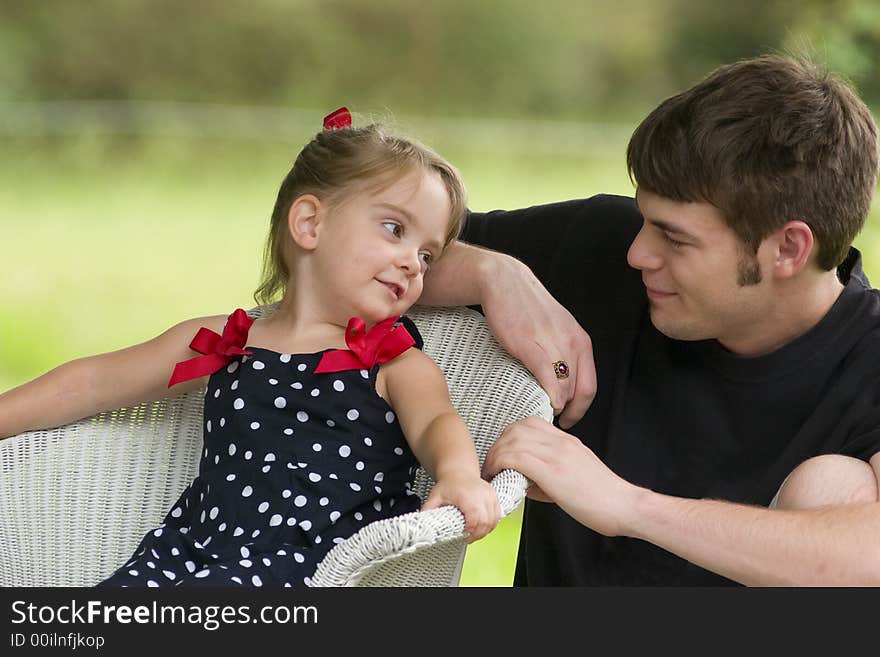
(76, 500)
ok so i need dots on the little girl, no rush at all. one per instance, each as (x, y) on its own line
(315, 415)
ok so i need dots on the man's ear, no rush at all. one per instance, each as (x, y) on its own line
(304, 221)
(795, 245)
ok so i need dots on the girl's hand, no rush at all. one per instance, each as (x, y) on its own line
(474, 497)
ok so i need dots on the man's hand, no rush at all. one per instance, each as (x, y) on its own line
(532, 326)
(566, 472)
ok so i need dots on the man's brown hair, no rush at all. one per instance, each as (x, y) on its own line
(767, 141)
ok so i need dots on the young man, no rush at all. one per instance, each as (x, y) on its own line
(735, 431)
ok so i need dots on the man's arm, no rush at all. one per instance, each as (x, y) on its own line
(826, 546)
(528, 322)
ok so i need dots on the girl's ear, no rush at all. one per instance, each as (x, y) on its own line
(304, 221)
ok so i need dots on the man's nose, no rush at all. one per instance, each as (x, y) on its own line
(642, 253)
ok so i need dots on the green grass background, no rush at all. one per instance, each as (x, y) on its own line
(108, 242)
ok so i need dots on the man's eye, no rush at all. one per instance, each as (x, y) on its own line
(673, 243)
(393, 227)
(426, 257)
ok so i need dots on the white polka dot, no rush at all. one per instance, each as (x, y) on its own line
(255, 533)
(247, 455)
(324, 501)
(288, 432)
(316, 447)
(284, 358)
(203, 573)
(221, 527)
(245, 552)
(175, 552)
(238, 404)
(298, 557)
(296, 386)
(344, 451)
(264, 506)
(190, 566)
(256, 580)
(222, 421)
(338, 540)
(389, 417)
(398, 451)
(275, 520)
(280, 402)
(302, 416)
(359, 465)
(317, 539)
(154, 553)
(281, 553)
(258, 365)
(177, 512)
(331, 423)
(334, 516)
(235, 579)
(377, 489)
(315, 392)
(314, 477)
(306, 524)
(291, 522)
(169, 574)
(338, 385)
(377, 505)
(214, 512)
(380, 476)
(368, 442)
(232, 449)
(247, 563)
(333, 476)
(208, 426)
(301, 367)
(359, 516)
(247, 491)
(216, 459)
(255, 425)
(354, 486)
(157, 533)
(230, 476)
(216, 393)
(365, 374)
(299, 500)
(269, 457)
(152, 584)
(285, 493)
(232, 367)
(273, 382)
(352, 414)
(234, 385)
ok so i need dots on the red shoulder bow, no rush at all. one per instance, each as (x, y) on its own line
(367, 348)
(218, 350)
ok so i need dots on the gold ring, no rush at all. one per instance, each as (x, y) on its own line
(561, 368)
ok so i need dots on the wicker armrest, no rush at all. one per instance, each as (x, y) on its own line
(387, 552)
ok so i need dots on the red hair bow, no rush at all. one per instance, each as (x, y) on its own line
(218, 350)
(341, 118)
(367, 348)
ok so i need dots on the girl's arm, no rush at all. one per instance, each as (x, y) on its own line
(86, 386)
(439, 438)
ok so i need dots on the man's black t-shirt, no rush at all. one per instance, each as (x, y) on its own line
(683, 418)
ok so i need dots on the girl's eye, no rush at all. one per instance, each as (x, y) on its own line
(393, 227)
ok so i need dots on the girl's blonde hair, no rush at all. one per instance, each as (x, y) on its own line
(329, 167)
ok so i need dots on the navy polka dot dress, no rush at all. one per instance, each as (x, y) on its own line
(293, 463)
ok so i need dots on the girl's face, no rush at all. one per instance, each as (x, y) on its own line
(375, 247)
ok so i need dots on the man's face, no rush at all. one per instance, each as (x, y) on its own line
(701, 281)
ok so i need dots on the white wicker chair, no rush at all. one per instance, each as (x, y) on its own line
(76, 500)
